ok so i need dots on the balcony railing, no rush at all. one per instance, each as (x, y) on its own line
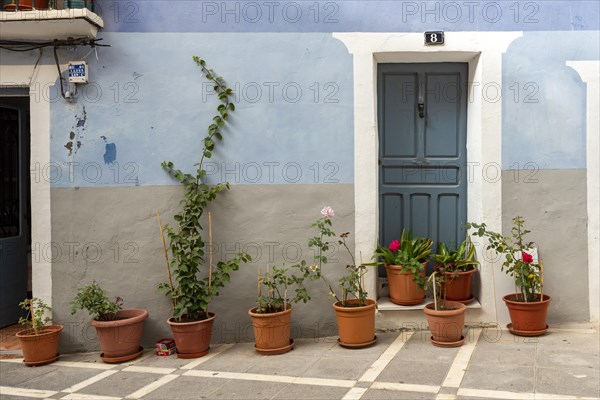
(28, 5)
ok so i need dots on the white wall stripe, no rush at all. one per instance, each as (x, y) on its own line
(207, 357)
(89, 381)
(150, 370)
(151, 387)
(378, 366)
(82, 396)
(354, 394)
(405, 387)
(271, 378)
(461, 361)
(495, 394)
(22, 392)
(77, 364)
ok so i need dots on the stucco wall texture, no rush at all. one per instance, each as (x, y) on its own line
(111, 235)
(553, 204)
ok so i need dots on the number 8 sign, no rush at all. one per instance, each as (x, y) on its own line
(434, 38)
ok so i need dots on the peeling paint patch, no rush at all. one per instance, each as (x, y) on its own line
(82, 120)
(110, 153)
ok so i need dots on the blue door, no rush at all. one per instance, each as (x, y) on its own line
(14, 207)
(422, 112)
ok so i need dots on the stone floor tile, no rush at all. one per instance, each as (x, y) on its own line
(46, 377)
(283, 364)
(187, 387)
(415, 372)
(419, 348)
(495, 376)
(120, 384)
(574, 380)
(382, 394)
(310, 392)
(514, 354)
(334, 368)
(241, 389)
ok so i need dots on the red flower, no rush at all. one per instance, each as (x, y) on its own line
(527, 258)
(394, 246)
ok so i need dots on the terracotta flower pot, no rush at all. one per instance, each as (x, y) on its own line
(446, 325)
(403, 290)
(356, 325)
(458, 286)
(192, 339)
(42, 348)
(120, 339)
(25, 5)
(527, 318)
(272, 331)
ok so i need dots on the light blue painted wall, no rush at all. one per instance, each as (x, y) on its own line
(293, 122)
(544, 100)
(347, 15)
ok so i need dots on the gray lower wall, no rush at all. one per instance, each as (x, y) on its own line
(111, 235)
(553, 204)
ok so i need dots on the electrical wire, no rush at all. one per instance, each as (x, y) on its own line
(20, 46)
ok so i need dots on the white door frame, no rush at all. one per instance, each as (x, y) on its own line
(17, 70)
(483, 52)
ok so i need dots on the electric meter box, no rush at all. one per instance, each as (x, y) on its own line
(78, 72)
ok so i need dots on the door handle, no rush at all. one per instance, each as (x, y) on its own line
(421, 108)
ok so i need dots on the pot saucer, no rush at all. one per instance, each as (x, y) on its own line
(274, 352)
(114, 360)
(448, 344)
(43, 362)
(193, 355)
(357, 345)
(467, 301)
(526, 333)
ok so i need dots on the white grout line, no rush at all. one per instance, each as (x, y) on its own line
(461, 361)
(354, 394)
(378, 366)
(150, 370)
(78, 364)
(445, 396)
(89, 381)
(271, 378)
(12, 360)
(22, 392)
(405, 387)
(207, 357)
(495, 394)
(151, 387)
(546, 396)
(82, 396)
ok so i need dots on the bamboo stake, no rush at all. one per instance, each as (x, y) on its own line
(259, 288)
(32, 312)
(285, 297)
(434, 293)
(210, 248)
(541, 280)
(162, 236)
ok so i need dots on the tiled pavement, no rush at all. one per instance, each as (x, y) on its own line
(564, 364)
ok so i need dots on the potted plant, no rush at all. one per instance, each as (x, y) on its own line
(191, 290)
(446, 319)
(119, 330)
(26, 5)
(39, 342)
(458, 267)
(271, 318)
(405, 263)
(528, 306)
(355, 313)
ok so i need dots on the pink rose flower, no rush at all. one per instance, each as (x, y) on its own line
(327, 212)
(527, 258)
(394, 246)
